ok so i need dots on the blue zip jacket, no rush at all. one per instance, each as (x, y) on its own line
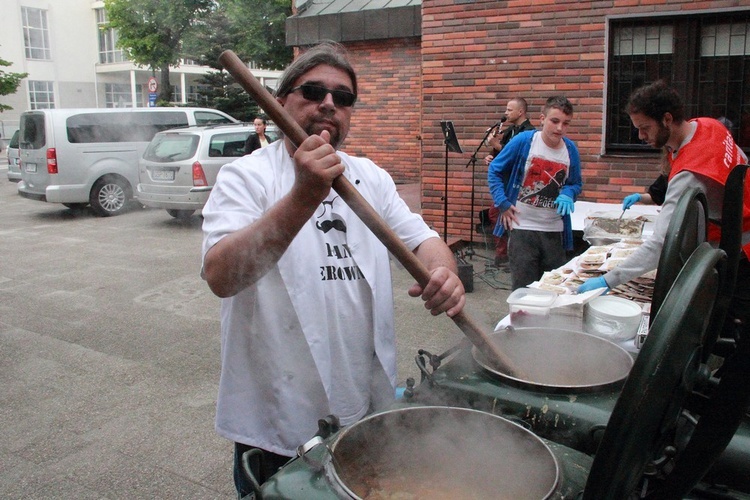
(513, 158)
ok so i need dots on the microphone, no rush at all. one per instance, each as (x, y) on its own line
(498, 124)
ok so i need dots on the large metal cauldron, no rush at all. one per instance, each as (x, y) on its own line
(442, 453)
(558, 360)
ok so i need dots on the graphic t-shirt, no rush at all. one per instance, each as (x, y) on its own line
(349, 298)
(545, 173)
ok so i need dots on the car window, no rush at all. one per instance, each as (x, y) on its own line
(171, 147)
(229, 144)
(14, 140)
(32, 131)
(122, 126)
(209, 118)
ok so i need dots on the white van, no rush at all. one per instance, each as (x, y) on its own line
(90, 156)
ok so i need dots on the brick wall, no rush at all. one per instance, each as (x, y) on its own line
(386, 121)
(478, 54)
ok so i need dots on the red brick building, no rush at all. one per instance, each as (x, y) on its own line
(461, 60)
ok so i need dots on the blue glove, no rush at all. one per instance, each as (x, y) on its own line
(593, 284)
(630, 200)
(564, 205)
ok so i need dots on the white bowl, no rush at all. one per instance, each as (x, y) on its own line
(612, 318)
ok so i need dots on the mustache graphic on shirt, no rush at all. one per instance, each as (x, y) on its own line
(327, 225)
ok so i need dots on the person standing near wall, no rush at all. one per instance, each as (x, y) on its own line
(543, 169)
(516, 122)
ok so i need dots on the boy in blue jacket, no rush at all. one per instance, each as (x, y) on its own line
(536, 203)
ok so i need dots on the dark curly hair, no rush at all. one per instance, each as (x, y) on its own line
(656, 99)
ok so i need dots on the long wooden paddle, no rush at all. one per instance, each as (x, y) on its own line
(362, 208)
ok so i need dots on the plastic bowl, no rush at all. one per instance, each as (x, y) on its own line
(612, 318)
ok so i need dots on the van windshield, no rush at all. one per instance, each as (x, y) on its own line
(32, 131)
(122, 127)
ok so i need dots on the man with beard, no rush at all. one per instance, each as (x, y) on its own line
(307, 309)
(701, 152)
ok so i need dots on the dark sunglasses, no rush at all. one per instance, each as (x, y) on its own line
(316, 93)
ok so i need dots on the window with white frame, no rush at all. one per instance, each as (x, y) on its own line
(41, 95)
(705, 57)
(35, 33)
(117, 95)
(108, 51)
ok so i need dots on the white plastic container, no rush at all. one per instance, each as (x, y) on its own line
(530, 307)
(612, 318)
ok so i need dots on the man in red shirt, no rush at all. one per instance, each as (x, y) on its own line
(701, 152)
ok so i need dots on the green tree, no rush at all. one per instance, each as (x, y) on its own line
(262, 26)
(151, 31)
(221, 94)
(9, 82)
(254, 30)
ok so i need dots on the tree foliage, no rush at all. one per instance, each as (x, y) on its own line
(151, 31)
(263, 27)
(220, 94)
(159, 33)
(9, 82)
(254, 30)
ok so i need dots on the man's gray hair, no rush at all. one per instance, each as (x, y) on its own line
(328, 53)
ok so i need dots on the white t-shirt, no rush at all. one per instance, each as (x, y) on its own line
(352, 345)
(545, 173)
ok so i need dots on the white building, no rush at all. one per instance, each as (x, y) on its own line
(72, 63)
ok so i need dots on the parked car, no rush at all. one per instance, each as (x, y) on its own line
(90, 156)
(14, 160)
(179, 167)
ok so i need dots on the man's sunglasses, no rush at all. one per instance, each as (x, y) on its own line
(316, 93)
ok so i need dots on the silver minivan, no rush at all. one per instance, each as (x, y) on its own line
(14, 162)
(90, 156)
(179, 168)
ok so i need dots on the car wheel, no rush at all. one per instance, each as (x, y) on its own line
(109, 196)
(180, 214)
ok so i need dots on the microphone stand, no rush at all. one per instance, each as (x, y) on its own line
(473, 161)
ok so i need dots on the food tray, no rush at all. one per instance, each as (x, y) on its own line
(601, 228)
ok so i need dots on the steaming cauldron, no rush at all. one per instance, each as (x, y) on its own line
(441, 452)
(437, 452)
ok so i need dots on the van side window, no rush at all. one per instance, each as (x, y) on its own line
(32, 131)
(208, 118)
(122, 127)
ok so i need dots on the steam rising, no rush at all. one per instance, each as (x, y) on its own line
(443, 453)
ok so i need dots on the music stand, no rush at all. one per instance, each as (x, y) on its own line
(451, 144)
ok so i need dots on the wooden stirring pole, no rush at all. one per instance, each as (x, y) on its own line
(362, 208)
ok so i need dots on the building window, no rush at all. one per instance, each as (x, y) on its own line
(35, 33)
(41, 95)
(117, 95)
(108, 51)
(705, 57)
